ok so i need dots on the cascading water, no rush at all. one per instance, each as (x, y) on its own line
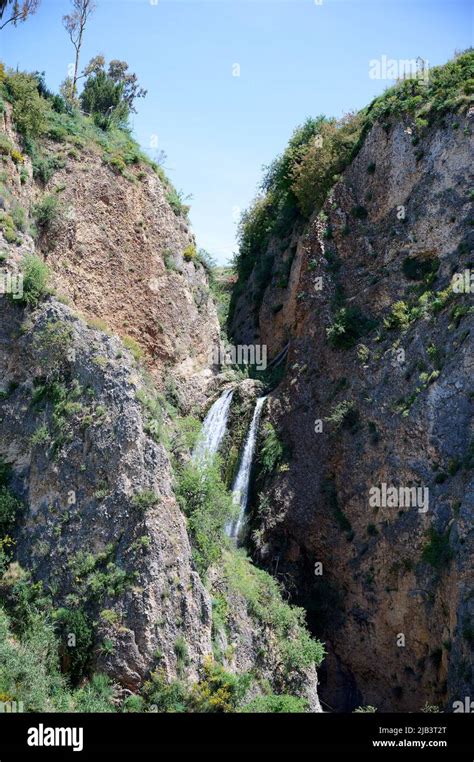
(214, 427)
(241, 484)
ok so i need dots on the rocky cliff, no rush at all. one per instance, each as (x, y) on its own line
(377, 391)
(98, 369)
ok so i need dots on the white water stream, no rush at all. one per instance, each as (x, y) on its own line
(213, 427)
(241, 484)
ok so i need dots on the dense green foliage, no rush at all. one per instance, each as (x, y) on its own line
(109, 93)
(208, 506)
(36, 275)
(348, 325)
(264, 600)
(272, 450)
(216, 691)
(74, 623)
(272, 703)
(437, 551)
(9, 507)
(108, 99)
(30, 673)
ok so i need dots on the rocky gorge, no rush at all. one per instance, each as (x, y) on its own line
(115, 545)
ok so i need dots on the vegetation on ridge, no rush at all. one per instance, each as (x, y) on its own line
(296, 184)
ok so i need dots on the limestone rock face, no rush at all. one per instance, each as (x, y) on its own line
(122, 256)
(395, 407)
(83, 527)
(100, 527)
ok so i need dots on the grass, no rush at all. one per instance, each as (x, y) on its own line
(30, 670)
(133, 347)
(276, 704)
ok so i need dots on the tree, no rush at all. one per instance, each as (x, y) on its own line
(75, 24)
(109, 94)
(19, 11)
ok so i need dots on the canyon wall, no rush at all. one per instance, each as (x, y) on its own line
(378, 390)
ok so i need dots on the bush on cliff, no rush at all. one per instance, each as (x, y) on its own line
(208, 506)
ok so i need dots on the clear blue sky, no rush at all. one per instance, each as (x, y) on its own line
(297, 58)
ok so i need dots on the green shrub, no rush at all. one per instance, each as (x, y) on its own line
(164, 695)
(176, 201)
(348, 326)
(417, 268)
(36, 276)
(264, 601)
(208, 506)
(30, 110)
(8, 228)
(169, 261)
(181, 651)
(153, 408)
(76, 639)
(272, 450)
(47, 212)
(97, 575)
(133, 704)
(217, 690)
(96, 696)
(274, 704)
(40, 436)
(9, 508)
(400, 316)
(45, 165)
(144, 500)
(19, 218)
(102, 99)
(344, 414)
(29, 669)
(133, 347)
(437, 551)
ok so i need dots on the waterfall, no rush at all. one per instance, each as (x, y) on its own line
(214, 427)
(241, 484)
